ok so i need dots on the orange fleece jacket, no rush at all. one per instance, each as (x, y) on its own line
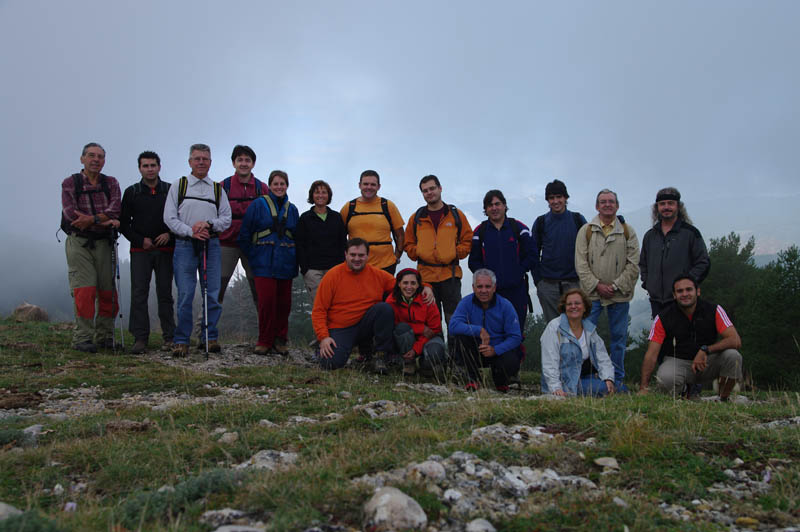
(344, 296)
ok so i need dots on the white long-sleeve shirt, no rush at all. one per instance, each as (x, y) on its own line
(181, 219)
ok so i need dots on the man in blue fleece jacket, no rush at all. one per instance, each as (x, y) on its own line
(554, 236)
(487, 333)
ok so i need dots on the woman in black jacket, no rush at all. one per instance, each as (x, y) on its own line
(320, 237)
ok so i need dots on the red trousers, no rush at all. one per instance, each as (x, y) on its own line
(274, 304)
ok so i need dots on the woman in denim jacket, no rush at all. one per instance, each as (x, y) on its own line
(574, 358)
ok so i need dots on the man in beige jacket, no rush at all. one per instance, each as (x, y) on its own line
(606, 259)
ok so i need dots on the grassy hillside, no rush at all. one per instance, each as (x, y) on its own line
(152, 443)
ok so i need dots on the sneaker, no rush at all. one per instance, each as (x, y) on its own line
(139, 347)
(409, 367)
(180, 350)
(280, 347)
(261, 350)
(472, 386)
(379, 366)
(86, 346)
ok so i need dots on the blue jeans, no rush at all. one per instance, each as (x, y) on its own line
(591, 385)
(618, 326)
(187, 265)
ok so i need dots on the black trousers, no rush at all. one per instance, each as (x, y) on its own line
(447, 294)
(143, 264)
(503, 366)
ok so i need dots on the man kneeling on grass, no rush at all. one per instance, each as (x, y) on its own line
(486, 331)
(696, 341)
(350, 310)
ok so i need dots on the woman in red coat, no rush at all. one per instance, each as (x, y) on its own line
(417, 325)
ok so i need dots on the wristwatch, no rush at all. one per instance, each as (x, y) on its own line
(704, 348)
(96, 219)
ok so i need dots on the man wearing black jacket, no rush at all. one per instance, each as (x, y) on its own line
(672, 247)
(152, 245)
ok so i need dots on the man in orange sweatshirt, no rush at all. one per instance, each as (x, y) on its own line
(350, 310)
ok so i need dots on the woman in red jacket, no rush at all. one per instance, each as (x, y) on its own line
(417, 325)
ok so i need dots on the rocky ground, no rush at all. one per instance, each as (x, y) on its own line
(475, 492)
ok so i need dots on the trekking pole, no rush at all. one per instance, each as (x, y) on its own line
(204, 289)
(115, 275)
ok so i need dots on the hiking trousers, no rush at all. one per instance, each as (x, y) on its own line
(143, 264)
(91, 283)
(502, 366)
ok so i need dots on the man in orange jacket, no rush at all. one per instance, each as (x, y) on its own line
(437, 236)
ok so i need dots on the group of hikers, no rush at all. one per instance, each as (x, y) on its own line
(199, 228)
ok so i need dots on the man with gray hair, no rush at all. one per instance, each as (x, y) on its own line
(670, 248)
(486, 330)
(90, 207)
(197, 211)
(606, 255)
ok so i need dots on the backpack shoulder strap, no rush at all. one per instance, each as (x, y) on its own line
(515, 228)
(417, 216)
(539, 223)
(625, 229)
(183, 184)
(457, 219)
(217, 194)
(105, 186)
(137, 189)
(226, 185)
(77, 182)
(351, 210)
(576, 219)
(385, 209)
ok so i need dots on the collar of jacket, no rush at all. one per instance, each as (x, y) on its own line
(477, 302)
(563, 326)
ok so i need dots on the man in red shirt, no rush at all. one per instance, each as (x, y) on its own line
(696, 341)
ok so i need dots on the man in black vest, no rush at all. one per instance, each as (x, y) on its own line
(696, 341)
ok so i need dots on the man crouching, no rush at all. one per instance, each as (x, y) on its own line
(696, 341)
(487, 333)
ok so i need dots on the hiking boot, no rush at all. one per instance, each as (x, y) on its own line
(409, 367)
(280, 347)
(106, 343)
(214, 347)
(472, 386)
(261, 350)
(502, 388)
(379, 364)
(361, 363)
(139, 347)
(167, 345)
(87, 346)
(180, 350)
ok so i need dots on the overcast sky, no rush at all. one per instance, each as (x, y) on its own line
(632, 95)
